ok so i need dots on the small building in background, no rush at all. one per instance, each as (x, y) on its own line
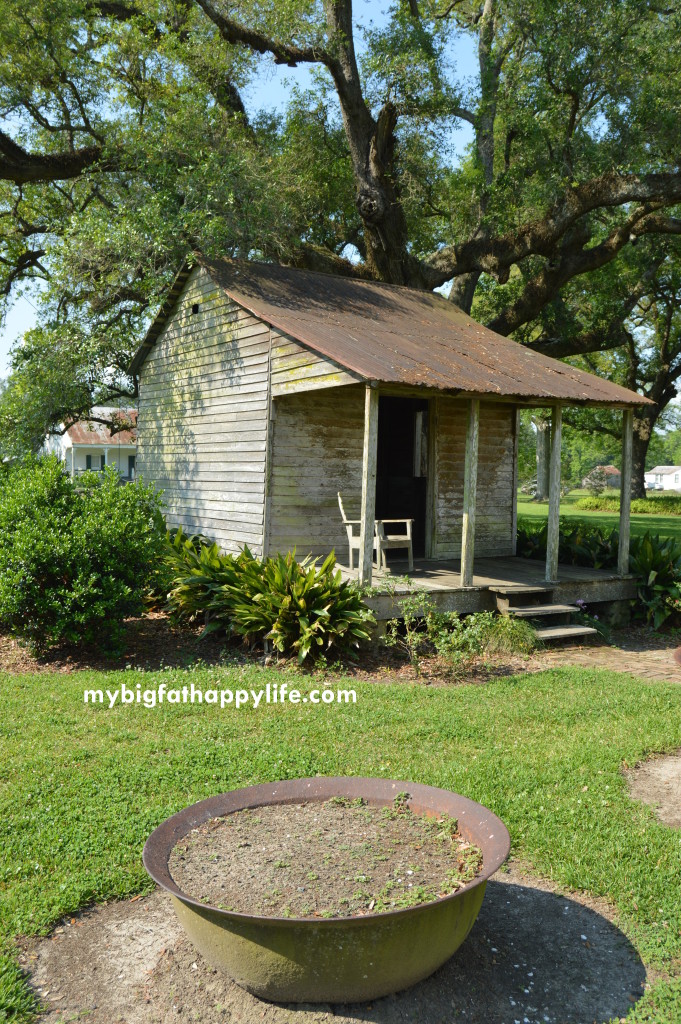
(610, 476)
(91, 445)
(663, 478)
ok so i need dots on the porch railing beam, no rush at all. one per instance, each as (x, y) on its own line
(368, 513)
(625, 490)
(470, 484)
(552, 535)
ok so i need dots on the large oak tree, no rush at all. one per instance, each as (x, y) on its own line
(129, 138)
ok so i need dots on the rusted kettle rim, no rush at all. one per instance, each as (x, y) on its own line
(476, 823)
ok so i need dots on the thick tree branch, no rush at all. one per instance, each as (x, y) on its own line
(600, 340)
(314, 257)
(284, 53)
(570, 262)
(29, 260)
(21, 167)
(541, 236)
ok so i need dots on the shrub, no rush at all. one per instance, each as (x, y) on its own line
(298, 606)
(596, 481)
(652, 505)
(190, 571)
(656, 561)
(422, 630)
(658, 565)
(579, 543)
(74, 562)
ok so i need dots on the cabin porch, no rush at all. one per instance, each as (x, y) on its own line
(495, 580)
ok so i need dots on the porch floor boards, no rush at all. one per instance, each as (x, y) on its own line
(437, 574)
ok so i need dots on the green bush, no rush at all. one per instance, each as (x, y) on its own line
(188, 572)
(656, 561)
(652, 505)
(422, 630)
(297, 606)
(74, 562)
(579, 543)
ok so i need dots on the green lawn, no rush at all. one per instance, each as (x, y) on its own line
(83, 786)
(663, 526)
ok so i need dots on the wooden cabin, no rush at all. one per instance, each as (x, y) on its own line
(265, 391)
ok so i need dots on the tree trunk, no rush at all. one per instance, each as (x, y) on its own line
(543, 426)
(643, 431)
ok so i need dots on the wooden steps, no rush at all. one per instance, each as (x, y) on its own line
(510, 589)
(538, 611)
(553, 621)
(564, 632)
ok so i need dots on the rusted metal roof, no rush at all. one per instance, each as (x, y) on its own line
(396, 335)
(87, 432)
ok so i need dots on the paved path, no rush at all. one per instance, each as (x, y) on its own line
(634, 651)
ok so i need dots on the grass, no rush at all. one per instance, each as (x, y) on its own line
(662, 526)
(83, 786)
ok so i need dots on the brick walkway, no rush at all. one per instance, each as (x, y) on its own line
(635, 651)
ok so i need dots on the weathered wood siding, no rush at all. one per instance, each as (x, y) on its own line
(316, 452)
(296, 368)
(202, 429)
(205, 391)
(495, 499)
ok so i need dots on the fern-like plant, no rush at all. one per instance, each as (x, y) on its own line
(297, 606)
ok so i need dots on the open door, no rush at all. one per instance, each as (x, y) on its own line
(402, 465)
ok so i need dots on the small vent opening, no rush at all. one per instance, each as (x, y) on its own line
(195, 307)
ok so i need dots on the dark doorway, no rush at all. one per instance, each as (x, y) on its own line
(402, 466)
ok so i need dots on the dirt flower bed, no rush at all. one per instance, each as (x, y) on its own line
(341, 858)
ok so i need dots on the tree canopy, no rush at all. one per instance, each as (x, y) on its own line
(129, 139)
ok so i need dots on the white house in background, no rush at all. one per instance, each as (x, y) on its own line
(664, 478)
(90, 445)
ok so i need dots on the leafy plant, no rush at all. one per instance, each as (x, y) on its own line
(658, 565)
(192, 567)
(596, 481)
(74, 562)
(585, 618)
(297, 606)
(655, 560)
(652, 505)
(423, 630)
(579, 543)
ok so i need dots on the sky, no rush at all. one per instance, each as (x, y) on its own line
(268, 92)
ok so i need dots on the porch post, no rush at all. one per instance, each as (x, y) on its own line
(368, 513)
(552, 535)
(470, 483)
(625, 490)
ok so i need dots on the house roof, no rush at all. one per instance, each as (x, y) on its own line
(86, 432)
(663, 470)
(396, 335)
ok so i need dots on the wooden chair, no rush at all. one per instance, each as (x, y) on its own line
(353, 541)
(387, 541)
(382, 541)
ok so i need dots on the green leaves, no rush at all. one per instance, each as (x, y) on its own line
(297, 606)
(656, 561)
(658, 564)
(74, 564)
